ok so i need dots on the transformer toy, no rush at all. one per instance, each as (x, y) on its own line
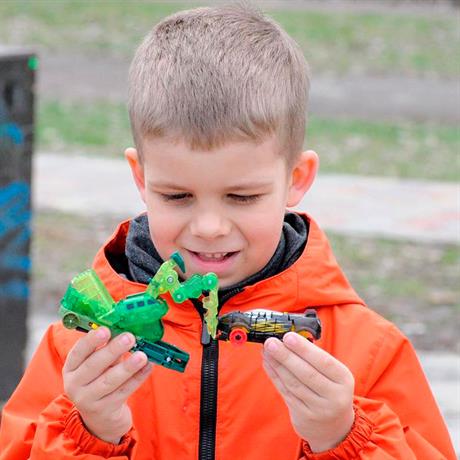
(258, 325)
(88, 305)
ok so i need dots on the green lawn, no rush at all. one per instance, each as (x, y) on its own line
(335, 42)
(405, 149)
(384, 269)
(99, 127)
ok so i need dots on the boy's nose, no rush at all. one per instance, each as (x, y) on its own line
(209, 225)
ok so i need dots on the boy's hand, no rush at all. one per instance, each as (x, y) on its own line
(98, 382)
(317, 388)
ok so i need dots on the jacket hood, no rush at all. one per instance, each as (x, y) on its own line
(313, 280)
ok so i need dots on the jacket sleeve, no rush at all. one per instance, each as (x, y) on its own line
(397, 417)
(39, 422)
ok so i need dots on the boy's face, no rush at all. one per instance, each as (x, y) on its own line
(223, 210)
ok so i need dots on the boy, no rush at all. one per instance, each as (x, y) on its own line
(217, 106)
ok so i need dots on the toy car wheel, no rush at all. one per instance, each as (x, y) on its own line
(70, 320)
(170, 279)
(210, 281)
(307, 334)
(238, 336)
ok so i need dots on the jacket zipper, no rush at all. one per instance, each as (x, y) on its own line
(209, 381)
(208, 391)
(208, 401)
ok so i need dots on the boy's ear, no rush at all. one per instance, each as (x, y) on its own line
(302, 176)
(137, 170)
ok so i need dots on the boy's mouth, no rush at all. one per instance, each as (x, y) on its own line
(218, 262)
(213, 256)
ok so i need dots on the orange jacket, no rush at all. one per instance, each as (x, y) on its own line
(396, 415)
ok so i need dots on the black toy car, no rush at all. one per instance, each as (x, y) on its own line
(258, 325)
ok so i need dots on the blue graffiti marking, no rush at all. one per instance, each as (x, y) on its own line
(14, 207)
(17, 289)
(14, 236)
(12, 131)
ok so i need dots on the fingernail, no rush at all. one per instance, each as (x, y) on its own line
(125, 339)
(137, 357)
(101, 333)
(290, 339)
(272, 346)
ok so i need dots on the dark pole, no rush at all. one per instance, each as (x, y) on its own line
(17, 75)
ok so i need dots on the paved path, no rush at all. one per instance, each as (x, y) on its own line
(371, 206)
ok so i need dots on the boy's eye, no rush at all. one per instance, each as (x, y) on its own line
(244, 198)
(175, 196)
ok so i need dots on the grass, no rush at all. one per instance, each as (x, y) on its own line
(62, 246)
(400, 269)
(335, 42)
(406, 150)
(101, 127)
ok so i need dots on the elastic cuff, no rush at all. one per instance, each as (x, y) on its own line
(90, 444)
(351, 446)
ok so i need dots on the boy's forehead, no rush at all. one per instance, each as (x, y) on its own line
(161, 150)
(242, 164)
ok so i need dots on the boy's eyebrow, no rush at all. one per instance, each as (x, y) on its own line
(251, 185)
(162, 184)
(262, 184)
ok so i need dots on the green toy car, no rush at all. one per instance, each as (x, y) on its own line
(88, 305)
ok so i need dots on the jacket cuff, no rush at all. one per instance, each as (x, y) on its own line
(351, 446)
(88, 443)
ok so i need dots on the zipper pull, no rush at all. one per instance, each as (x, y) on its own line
(205, 337)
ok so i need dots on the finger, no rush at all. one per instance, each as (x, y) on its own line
(320, 359)
(289, 397)
(84, 347)
(102, 359)
(295, 387)
(130, 386)
(299, 372)
(117, 376)
(274, 377)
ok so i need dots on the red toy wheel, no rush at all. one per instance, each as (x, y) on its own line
(238, 336)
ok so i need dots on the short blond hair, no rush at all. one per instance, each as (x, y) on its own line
(214, 75)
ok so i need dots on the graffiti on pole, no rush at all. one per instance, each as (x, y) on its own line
(14, 240)
(14, 216)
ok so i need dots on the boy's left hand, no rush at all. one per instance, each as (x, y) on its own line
(317, 388)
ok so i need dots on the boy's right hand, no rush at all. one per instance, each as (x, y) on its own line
(99, 382)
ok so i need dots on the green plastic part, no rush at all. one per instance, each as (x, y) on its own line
(179, 260)
(210, 304)
(166, 278)
(33, 63)
(89, 294)
(87, 305)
